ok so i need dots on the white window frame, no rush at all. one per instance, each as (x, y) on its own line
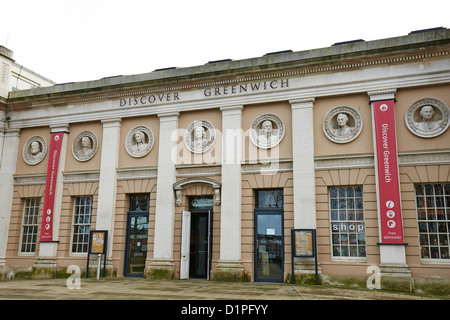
(420, 214)
(338, 221)
(74, 223)
(26, 211)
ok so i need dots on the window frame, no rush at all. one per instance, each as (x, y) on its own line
(74, 214)
(279, 190)
(339, 221)
(135, 196)
(446, 212)
(33, 253)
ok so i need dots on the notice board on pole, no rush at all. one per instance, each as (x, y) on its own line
(98, 244)
(303, 242)
(97, 241)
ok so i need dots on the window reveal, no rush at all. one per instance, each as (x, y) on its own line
(433, 215)
(81, 224)
(348, 230)
(30, 225)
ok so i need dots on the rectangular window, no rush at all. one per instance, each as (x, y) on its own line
(433, 215)
(82, 214)
(269, 199)
(139, 202)
(348, 231)
(30, 225)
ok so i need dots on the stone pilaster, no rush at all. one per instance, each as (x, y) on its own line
(394, 272)
(303, 176)
(230, 266)
(45, 264)
(162, 265)
(108, 181)
(7, 170)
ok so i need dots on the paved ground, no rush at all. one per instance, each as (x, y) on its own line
(142, 289)
(194, 299)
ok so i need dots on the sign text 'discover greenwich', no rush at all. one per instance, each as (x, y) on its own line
(49, 198)
(387, 172)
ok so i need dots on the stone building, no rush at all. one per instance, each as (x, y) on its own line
(204, 172)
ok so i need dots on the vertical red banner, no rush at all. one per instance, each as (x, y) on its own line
(49, 197)
(387, 172)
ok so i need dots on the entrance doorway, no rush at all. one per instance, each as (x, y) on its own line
(136, 236)
(199, 248)
(136, 248)
(196, 242)
(269, 236)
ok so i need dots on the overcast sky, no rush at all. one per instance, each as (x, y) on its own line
(82, 40)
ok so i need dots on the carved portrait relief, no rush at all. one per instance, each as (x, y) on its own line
(200, 136)
(34, 150)
(139, 141)
(427, 117)
(342, 124)
(84, 146)
(267, 131)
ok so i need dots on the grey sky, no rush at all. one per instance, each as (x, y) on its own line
(87, 40)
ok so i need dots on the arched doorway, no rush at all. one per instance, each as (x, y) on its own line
(197, 220)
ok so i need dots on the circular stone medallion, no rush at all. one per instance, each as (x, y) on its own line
(342, 124)
(266, 131)
(427, 118)
(139, 141)
(84, 146)
(200, 136)
(34, 150)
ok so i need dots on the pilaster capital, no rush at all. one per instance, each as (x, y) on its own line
(168, 116)
(111, 123)
(302, 103)
(385, 94)
(59, 127)
(232, 109)
(12, 132)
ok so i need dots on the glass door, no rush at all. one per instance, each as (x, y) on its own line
(269, 244)
(200, 236)
(199, 255)
(136, 244)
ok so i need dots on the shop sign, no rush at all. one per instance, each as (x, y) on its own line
(50, 185)
(202, 203)
(347, 227)
(387, 172)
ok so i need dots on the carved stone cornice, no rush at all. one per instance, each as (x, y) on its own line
(291, 65)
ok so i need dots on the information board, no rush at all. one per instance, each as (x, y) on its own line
(98, 244)
(97, 239)
(303, 242)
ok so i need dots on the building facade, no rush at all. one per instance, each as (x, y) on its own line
(203, 172)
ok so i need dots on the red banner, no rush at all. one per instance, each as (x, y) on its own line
(388, 180)
(49, 198)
